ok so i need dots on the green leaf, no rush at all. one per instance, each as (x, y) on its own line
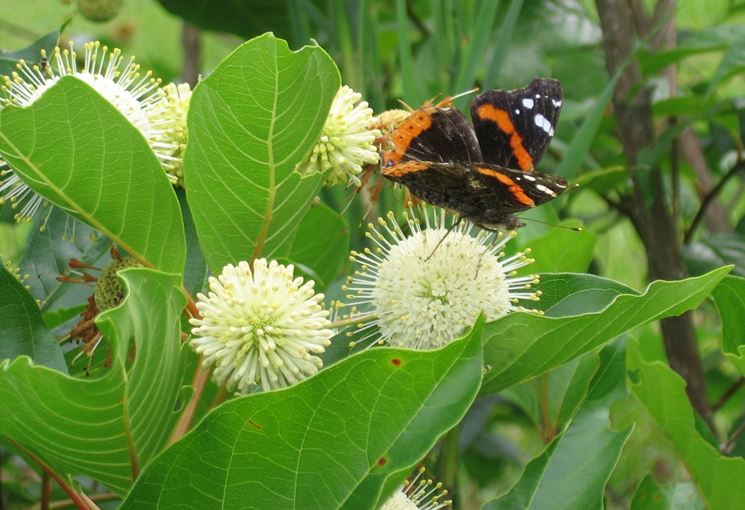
(31, 53)
(22, 330)
(729, 297)
(250, 123)
(566, 294)
(680, 496)
(662, 391)
(107, 427)
(733, 62)
(564, 388)
(521, 346)
(246, 19)
(195, 271)
(321, 245)
(331, 441)
(551, 254)
(714, 251)
(579, 147)
(572, 472)
(49, 250)
(78, 151)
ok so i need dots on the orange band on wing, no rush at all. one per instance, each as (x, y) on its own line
(513, 187)
(417, 123)
(403, 168)
(503, 121)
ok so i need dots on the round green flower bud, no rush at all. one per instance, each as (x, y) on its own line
(109, 292)
(99, 10)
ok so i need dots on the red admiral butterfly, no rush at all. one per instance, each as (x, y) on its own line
(485, 171)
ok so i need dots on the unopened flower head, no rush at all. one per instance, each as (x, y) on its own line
(136, 95)
(424, 287)
(260, 327)
(178, 98)
(420, 493)
(346, 143)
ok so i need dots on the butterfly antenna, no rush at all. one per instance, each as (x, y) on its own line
(452, 227)
(406, 105)
(458, 96)
(573, 229)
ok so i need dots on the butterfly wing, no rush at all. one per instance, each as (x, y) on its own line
(514, 127)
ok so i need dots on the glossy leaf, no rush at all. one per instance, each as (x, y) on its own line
(332, 441)
(322, 244)
(572, 294)
(558, 479)
(716, 250)
(22, 330)
(250, 123)
(662, 391)
(680, 496)
(521, 346)
(74, 148)
(110, 426)
(49, 250)
(31, 53)
(246, 19)
(551, 254)
(729, 297)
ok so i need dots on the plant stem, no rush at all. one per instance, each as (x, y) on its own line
(78, 500)
(46, 491)
(201, 377)
(709, 198)
(734, 388)
(450, 462)
(105, 496)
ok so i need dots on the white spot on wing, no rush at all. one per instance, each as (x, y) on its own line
(517, 112)
(543, 123)
(529, 177)
(547, 191)
(556, 103)
(528, 103)
(537, 96)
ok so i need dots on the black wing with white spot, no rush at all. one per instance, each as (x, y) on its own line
(514, 127)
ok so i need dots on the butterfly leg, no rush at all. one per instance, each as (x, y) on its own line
(452, 227)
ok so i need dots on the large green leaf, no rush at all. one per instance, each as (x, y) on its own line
(31, 53)
(74, 148)
(551, 254)
(321, 245)
(22, 330)
(246, 19)
(521, 346)
(572, 472)
(250, 122)
(49, 250)
(331, 441)
(729, 297)
(107, 427)
(680, 496)
(662, 391)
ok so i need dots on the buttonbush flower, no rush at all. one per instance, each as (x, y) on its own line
(424, 286)
(346, 142)
(137, 96)
(260, 327)
(419, 494)
(178, 98)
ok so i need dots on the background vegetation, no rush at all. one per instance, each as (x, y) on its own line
(652, 130)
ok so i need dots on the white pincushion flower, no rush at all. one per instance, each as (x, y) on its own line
(419, 494)
(346, 142)
(424, 287)
(260, 327)
(178, 98)
(137, 96)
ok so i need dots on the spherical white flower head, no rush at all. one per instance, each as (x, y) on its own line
(427, 286)
(419, 494)
(260, 327)
(178, 98)
(138, 97)
(346, 142)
